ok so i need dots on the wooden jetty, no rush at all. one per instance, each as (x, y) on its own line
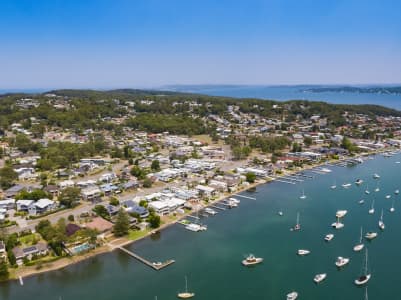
(155, 266)
(246, 197)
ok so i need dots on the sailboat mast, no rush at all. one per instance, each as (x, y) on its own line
(366, 262)
(186, 285)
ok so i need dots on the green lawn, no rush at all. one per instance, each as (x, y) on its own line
(136, 234)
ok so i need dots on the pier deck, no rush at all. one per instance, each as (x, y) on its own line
(146, 262)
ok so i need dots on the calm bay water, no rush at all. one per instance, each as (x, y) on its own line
(211, 259)
(294, 93)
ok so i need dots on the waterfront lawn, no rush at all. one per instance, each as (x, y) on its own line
(137, 234)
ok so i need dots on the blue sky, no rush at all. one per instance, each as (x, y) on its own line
(150, 43)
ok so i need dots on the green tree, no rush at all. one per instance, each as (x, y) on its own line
(121, 226)
(3, 270)
(307, 141)
(70, 196)
(147, 183)
(250, 177)
(114, 201)
(7, 177)
(154, 220)
(155, 166)
(101, 211)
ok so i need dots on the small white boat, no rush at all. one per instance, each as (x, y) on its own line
(398, 162)
(381, 223)
(193, 227)
(319, 277)
(186, 294)
(292, 296)
(396, 192)
(341, 261)
(303, 252)
(337, 224)
(346, 185)
(376, 176)
(341, 213)
(325, 170)
(303, 196)
(358, 247)
(392, 209)
(367, 190)
(388, 196)
(251, 260)
(372, 208)
(358, 181)
(371, 235)
(329, 237)
(377, 189)
(361, 201)
(21, 282)
(364, 278)
(210, 211)
(297, 225)
(280, 213)
(333, 186)
(231, 204)
(234, 200)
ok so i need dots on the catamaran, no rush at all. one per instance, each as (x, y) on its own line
(360, 245)
(381, 223)
(303, 196)
(364, 278)
(372, 208)
(186, 294)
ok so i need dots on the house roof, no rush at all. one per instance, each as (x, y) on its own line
(99, 224)
(71, 228)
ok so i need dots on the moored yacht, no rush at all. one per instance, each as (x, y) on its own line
(372, 208)
(358, 247)
(329, 237)
(186, 294)
(319, 277)
(341, 261)
(251, 260)
(392, 209)
(297, 225)
(367, 190)
(396, 192)
(358, 181)
(334, 185)
(346, 185)
(292, 296)
(303, 196)
(341, 213)
(364, 278)
(303, 252)
(381, 223)
(280, 213)
(388, 196)
(376, 176)
(370, 235)
(361, 201)
(234, 200)
(210, 211)
(337, 224)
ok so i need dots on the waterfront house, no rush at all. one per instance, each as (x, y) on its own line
(100, 225)
(40, 249)
(133, 207)
(204, 190)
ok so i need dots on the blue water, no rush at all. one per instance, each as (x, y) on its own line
(212, 259)
(294, 92)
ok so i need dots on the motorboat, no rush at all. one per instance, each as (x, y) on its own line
(319, 277)
(280, 213)
(388, 196)
(361, 201)
(396, 192)
(358, 181)
(376, 176)
(186, 294)
(341, 261)
(341, 213)
(333, 186)
(251, 260)
(358, 247)
(365, 276)
(303, 252)
(346, 185)
(231, 204)
(337, 224)
(370, 235)
(234, 200)
(292, 296)
(329, 237)
(210, 211)
(367, 190)
(392, 209)
(325, 170)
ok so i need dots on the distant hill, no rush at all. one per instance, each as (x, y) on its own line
(393, 90)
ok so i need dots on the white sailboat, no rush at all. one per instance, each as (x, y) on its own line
(334, 185)
(392, 209)
(364, 278)
(367, 190)
(377, 189)
(381, 223)
(297, 225)
(360, 245)
(372, 208)
(303, 196)
(186, 294)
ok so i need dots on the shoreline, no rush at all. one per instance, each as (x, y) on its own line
(108, 247)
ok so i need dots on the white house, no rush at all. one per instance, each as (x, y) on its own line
(41, 206)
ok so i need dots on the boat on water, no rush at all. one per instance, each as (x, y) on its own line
(210, 211)
(372, 208)
(371, 235)
(361, 201)
(196, 227)
(280, 213)
(358, 247)
(396, 192)
(334, 185)
(231, 204)
(337, 224)
(292, 296)
(251, 260)
(319, 277)
(392, 209)
(303, 252)
(341, 213)
(329, 237)
(342, 261)
(376, 176)
(235, 200)
(388, 196)
(157, 264)
(377, 189)
(358, 181)
(303, 196)
(381, 223)
(325, 170)
(186, 294)
(346, 185)
(297, 225)
(367, 190)
(365, 277)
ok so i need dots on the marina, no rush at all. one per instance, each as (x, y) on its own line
(112, 274)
